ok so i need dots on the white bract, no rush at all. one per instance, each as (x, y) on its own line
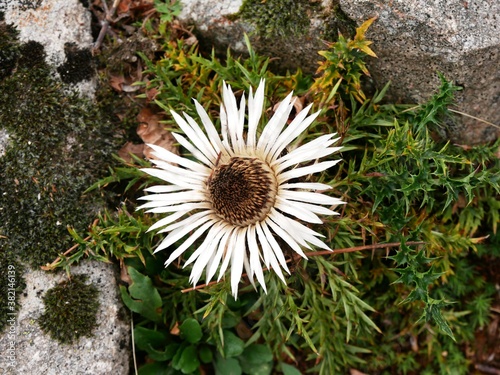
(245, 193)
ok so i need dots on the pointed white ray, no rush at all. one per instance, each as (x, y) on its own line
(275, 247)
(275, 125)
(255, 108)
(302, 234)
(201, 217)
(296, 127)
(173, 198)
(240, 145)
(214, 262)
(193, 150)
(303, 171)
(166, 155)
(317, 144)
(248, 271)
(167, 220)
(212, 133)
(196, 135)
(164, 188)
(269, 256)
(309, 197)
(237, 258)
(304, 157)
(313, 208)
(228, 253)
(185, 245)
(284, 235)
(299, 212)
(305, 185)
(231, 110)
(253, 249)
(184, 180)
(178, 233)
(180, 207)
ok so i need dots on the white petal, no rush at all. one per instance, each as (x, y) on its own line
(298, 172)
(205, 253)
(212, 133)
(276, 227)
(315, 208)
(253, 249)
(167, 220)
(306, 185)
(177, 233)
(296, 127)
(237, 260)
(317, 144)
(255, 108)
(173, 198)
(166, 155)
(297, 211)
(240, 146)
(305, 156)
(274, 127)
(189, 222)
(164, 188)
(269, 257)
(185, 245)
(276, 249)
(180, 207)
(180, 180)
(309, 197)
(200, 139)
(193, 150)
(195, 134)
(221, 248)
(211, 236)
(231, 110)
(299, 232)
(228, 252)
(248, 271)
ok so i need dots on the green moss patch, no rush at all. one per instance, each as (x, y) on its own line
(59, 145)
(70, 310)
(278, 17)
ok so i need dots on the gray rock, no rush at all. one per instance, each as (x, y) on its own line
(58, 25)
(107, 352)
(413, 40)
(4, 140)
(63, 28)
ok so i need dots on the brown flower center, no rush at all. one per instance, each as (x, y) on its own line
(243, 191)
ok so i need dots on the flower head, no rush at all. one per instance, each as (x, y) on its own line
(242, 194)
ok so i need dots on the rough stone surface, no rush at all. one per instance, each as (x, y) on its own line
(58, 25)
(63, 28)
(412, 38)
(217, 28)
(415, 38)
(4, 140)
(107, 352)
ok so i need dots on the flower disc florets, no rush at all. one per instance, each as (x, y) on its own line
(240, 194)
(243, 191)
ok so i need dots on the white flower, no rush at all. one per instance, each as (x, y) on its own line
(242, 193)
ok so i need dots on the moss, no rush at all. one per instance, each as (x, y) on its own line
(78, 66)
(278, 17)
(70, 310)
(59, 146)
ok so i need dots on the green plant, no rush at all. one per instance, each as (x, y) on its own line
(70, 310)
(427, 210)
